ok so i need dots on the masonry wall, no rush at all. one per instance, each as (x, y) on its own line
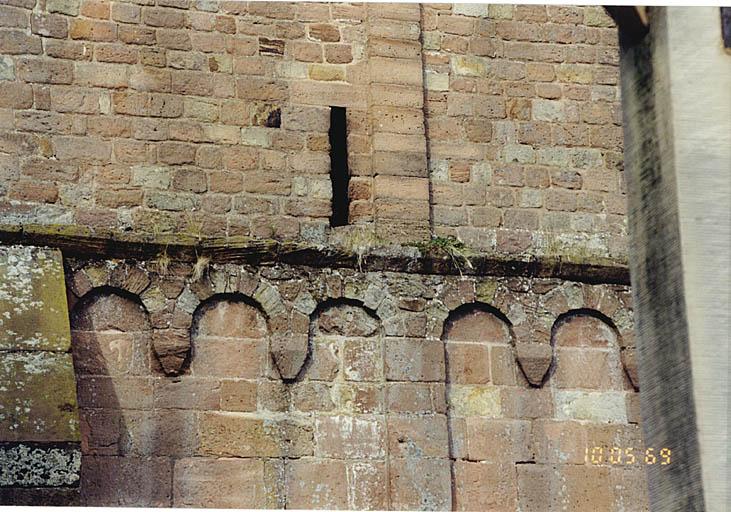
(389, 391)
(523, 121)
(287, 385)
(497, 124)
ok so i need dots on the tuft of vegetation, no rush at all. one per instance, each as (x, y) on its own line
(193, 227)
(449, 246)
(162, 260)
(361, 240)
(200, 267)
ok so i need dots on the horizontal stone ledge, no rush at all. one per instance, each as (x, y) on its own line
(114, 244)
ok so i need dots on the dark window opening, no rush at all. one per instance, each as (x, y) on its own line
(274, 119)
(339, 174)
(726, 26)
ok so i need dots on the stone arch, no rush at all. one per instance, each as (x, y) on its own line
(479, 352)
(235, 282)
(334, 319)
(229, 338)
(469, 333)
(111, 348)
(341, 390)
(124, 276)
(102, 323)
(587, 351)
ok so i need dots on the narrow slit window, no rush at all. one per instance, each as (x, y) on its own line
(339, 174)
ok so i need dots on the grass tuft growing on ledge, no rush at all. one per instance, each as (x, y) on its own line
(449, 246)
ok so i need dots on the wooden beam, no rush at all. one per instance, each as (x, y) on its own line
(80, 242)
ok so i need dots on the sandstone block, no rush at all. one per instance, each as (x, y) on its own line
(585, 368)
(231, 319)
(484, 486)
(412, 189)
(422, 436)
(289, 353)
(599, 406)
(527, 403)
(313, 396)
(222, 483)
(584, 331)
(414, 360)
(477, 326)
(420, 484)
(234, 435)
(68, 7)
(172, 348)
(586, 487)
(166, 18)
(106, 353)
(112, 76)
(17, 42)
(559, 442)
(468, 363)
(534, 359)
(238, 395)
(395, 71)
(49, 25)
(537, 485)
(416, 398)
(317, 483)
(475, 400)
(362, 359)
(349, 437)
(44, 71)
(126, 481)
(187, 393)
(27, 401)
(92, 30)
(172, 433)
(239, 358)
(499, 441)
(324, 32)
(114, 393)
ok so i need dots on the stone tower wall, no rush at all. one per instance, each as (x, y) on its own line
(499, 124)
(231, 348)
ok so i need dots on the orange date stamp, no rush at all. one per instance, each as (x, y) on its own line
(627, 456)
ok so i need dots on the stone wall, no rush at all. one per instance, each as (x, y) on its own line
(39, 419)
(297, 387)
(192, 134)
(524, 124)
(498, 124)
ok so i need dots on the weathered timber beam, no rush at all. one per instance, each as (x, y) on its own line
(107, 244)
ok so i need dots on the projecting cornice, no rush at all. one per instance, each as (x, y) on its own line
(83, 242)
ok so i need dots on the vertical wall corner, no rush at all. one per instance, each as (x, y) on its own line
(39, 421)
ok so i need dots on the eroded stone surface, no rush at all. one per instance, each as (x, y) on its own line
(347, 320)
(534, 360)
(289, 353)
(38, 397)
(39, 420)
(34, 315)
(39, 466)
